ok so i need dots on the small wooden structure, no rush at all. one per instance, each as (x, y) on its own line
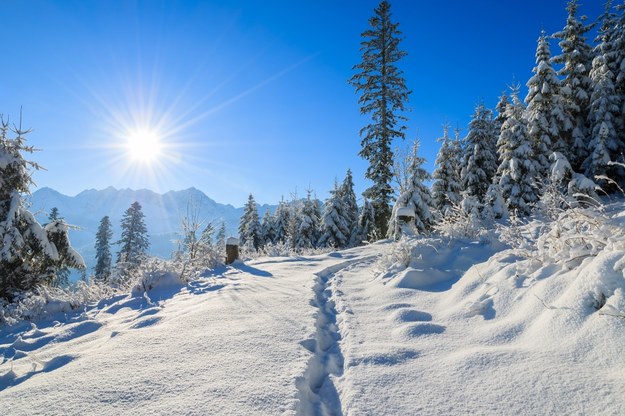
(405, 215)
(232, 250)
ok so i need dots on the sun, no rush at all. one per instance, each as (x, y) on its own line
(144, 145)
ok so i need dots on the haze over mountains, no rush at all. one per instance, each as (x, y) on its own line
(163, 214)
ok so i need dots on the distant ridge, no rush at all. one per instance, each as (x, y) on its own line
(163, 213)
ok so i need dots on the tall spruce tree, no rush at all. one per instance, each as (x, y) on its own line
(102, 270)
(417, 197)
(547, 121)
(249, 225)
(480, 163)
(30, 254)
(517, 171)
(220, 236)
(334, 226)
(606, 112)
(309, 222)
(576, 61)
(282, 219)
(446, 187)
(366, 224)
(383, 96)
(350, 205)
(134, 241)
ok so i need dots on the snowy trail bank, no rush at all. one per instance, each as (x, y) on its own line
(459, 329)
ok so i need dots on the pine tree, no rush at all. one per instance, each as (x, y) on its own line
(516, 170)
(349, 203)
(102, 270)
(134, 241)
(267, 228)
(481, 154)
(249, 226)
(446, 187)
(576, 87)
(334, 226)
(309, 221)
(501, 107)
(383, 96)
(282, 219)
(30, 254)
(606, 113)
(220, 237)
(366, 224)
(546, 116)
(62, 274)
(417, 198)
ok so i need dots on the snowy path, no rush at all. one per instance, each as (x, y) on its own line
(327, 335)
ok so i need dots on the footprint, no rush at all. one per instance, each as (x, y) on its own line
(386, 359)
(146, 323)
(411, 315)
(422, 329)
(394, 306)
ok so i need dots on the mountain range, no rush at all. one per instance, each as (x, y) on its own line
(163, 215)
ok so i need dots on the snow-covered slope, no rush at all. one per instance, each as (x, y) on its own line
(457, 328)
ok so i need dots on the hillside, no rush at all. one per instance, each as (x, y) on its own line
(423, 326)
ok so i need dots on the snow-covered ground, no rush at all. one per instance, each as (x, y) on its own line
(458, 328)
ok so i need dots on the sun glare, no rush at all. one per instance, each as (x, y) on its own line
(144, 146)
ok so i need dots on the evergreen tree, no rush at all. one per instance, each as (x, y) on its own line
(417, 198)
(446, 187)
(134, 241)
(606, 113)
(249, 226)
(546, 116)
(334, 226)
(102, 270)
(220, 237)
(481, 154)
(309, 221)
(349, 204)
(501, 107)
(267, 228)
(516, 171)
(62, 274)
(282, 219)
(576, 87)
(366, 224)
(383, 95)
(30, 254)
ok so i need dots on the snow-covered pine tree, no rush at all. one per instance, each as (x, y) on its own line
(366, 224)
(220, 237)
(494, 207)
(480, 163)
(104, 259)
(383, 95)
(516, 170)
(249, 225)
(267, 228)
(30, 254)
(349, 204)
(282, 219)
(417, 198)
(606, 113)
(334, 226)
(309, 222)
(134, 241)
(62, 274)
(619, 57)
(501, 107)
(446, 187)
(547, 121)
(576, 87)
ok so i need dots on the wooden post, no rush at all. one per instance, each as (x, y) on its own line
(232, 250)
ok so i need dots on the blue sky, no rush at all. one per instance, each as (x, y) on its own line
(248, 96)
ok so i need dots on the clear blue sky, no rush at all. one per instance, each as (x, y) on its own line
(249, 96)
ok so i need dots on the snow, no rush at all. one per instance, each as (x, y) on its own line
(420, 326)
